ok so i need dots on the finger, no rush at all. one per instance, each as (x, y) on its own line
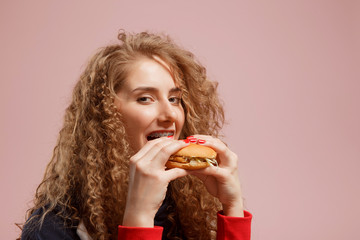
(147, 147)
(164, 152)
(160, 152)
(175, 173)
(153, 151)
(225, 155)
(216, 172)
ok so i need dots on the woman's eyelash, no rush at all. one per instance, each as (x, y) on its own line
(143, 99)
(176, 100)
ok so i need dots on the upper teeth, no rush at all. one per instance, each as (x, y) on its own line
(160, 134)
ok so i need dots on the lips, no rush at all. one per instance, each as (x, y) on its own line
(158, 134)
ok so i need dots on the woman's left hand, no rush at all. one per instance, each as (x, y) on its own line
(222, 181)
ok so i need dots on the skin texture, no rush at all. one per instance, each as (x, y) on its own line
(150, 102)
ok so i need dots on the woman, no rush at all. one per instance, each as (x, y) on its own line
(107, 178)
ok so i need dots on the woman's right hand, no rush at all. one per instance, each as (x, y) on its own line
(148, 181)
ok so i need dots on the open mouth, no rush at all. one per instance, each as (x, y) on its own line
(155, 135)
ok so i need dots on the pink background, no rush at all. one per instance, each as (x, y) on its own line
(289, 77)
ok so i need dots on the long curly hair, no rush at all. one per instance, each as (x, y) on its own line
(87, 177)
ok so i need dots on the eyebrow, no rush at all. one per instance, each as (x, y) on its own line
(152, 89)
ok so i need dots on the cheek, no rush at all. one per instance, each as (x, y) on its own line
(181, 118)
(136, 119)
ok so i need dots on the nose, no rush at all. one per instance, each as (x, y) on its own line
(167, 113)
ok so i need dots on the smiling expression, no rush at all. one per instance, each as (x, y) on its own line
(150, 103)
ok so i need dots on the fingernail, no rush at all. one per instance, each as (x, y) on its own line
(201, 141)
(186, 140)
(189, 137)
(193, 140)
(170, 136)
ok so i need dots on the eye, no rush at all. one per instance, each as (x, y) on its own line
(144, 99)
(175, 100)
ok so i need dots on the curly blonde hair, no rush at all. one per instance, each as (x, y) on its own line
(87, 177)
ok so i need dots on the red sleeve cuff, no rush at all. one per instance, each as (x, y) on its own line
(234, 227)
(139, 233)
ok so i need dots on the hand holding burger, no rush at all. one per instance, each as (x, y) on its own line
(222, 181)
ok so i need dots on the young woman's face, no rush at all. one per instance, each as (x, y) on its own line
(150, 103)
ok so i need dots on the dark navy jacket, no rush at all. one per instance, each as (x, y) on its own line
(54, 228)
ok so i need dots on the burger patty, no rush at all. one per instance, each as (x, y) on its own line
(182, 159)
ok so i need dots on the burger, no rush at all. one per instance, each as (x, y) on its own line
(192, 157)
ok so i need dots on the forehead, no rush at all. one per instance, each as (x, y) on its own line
(149, 72)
